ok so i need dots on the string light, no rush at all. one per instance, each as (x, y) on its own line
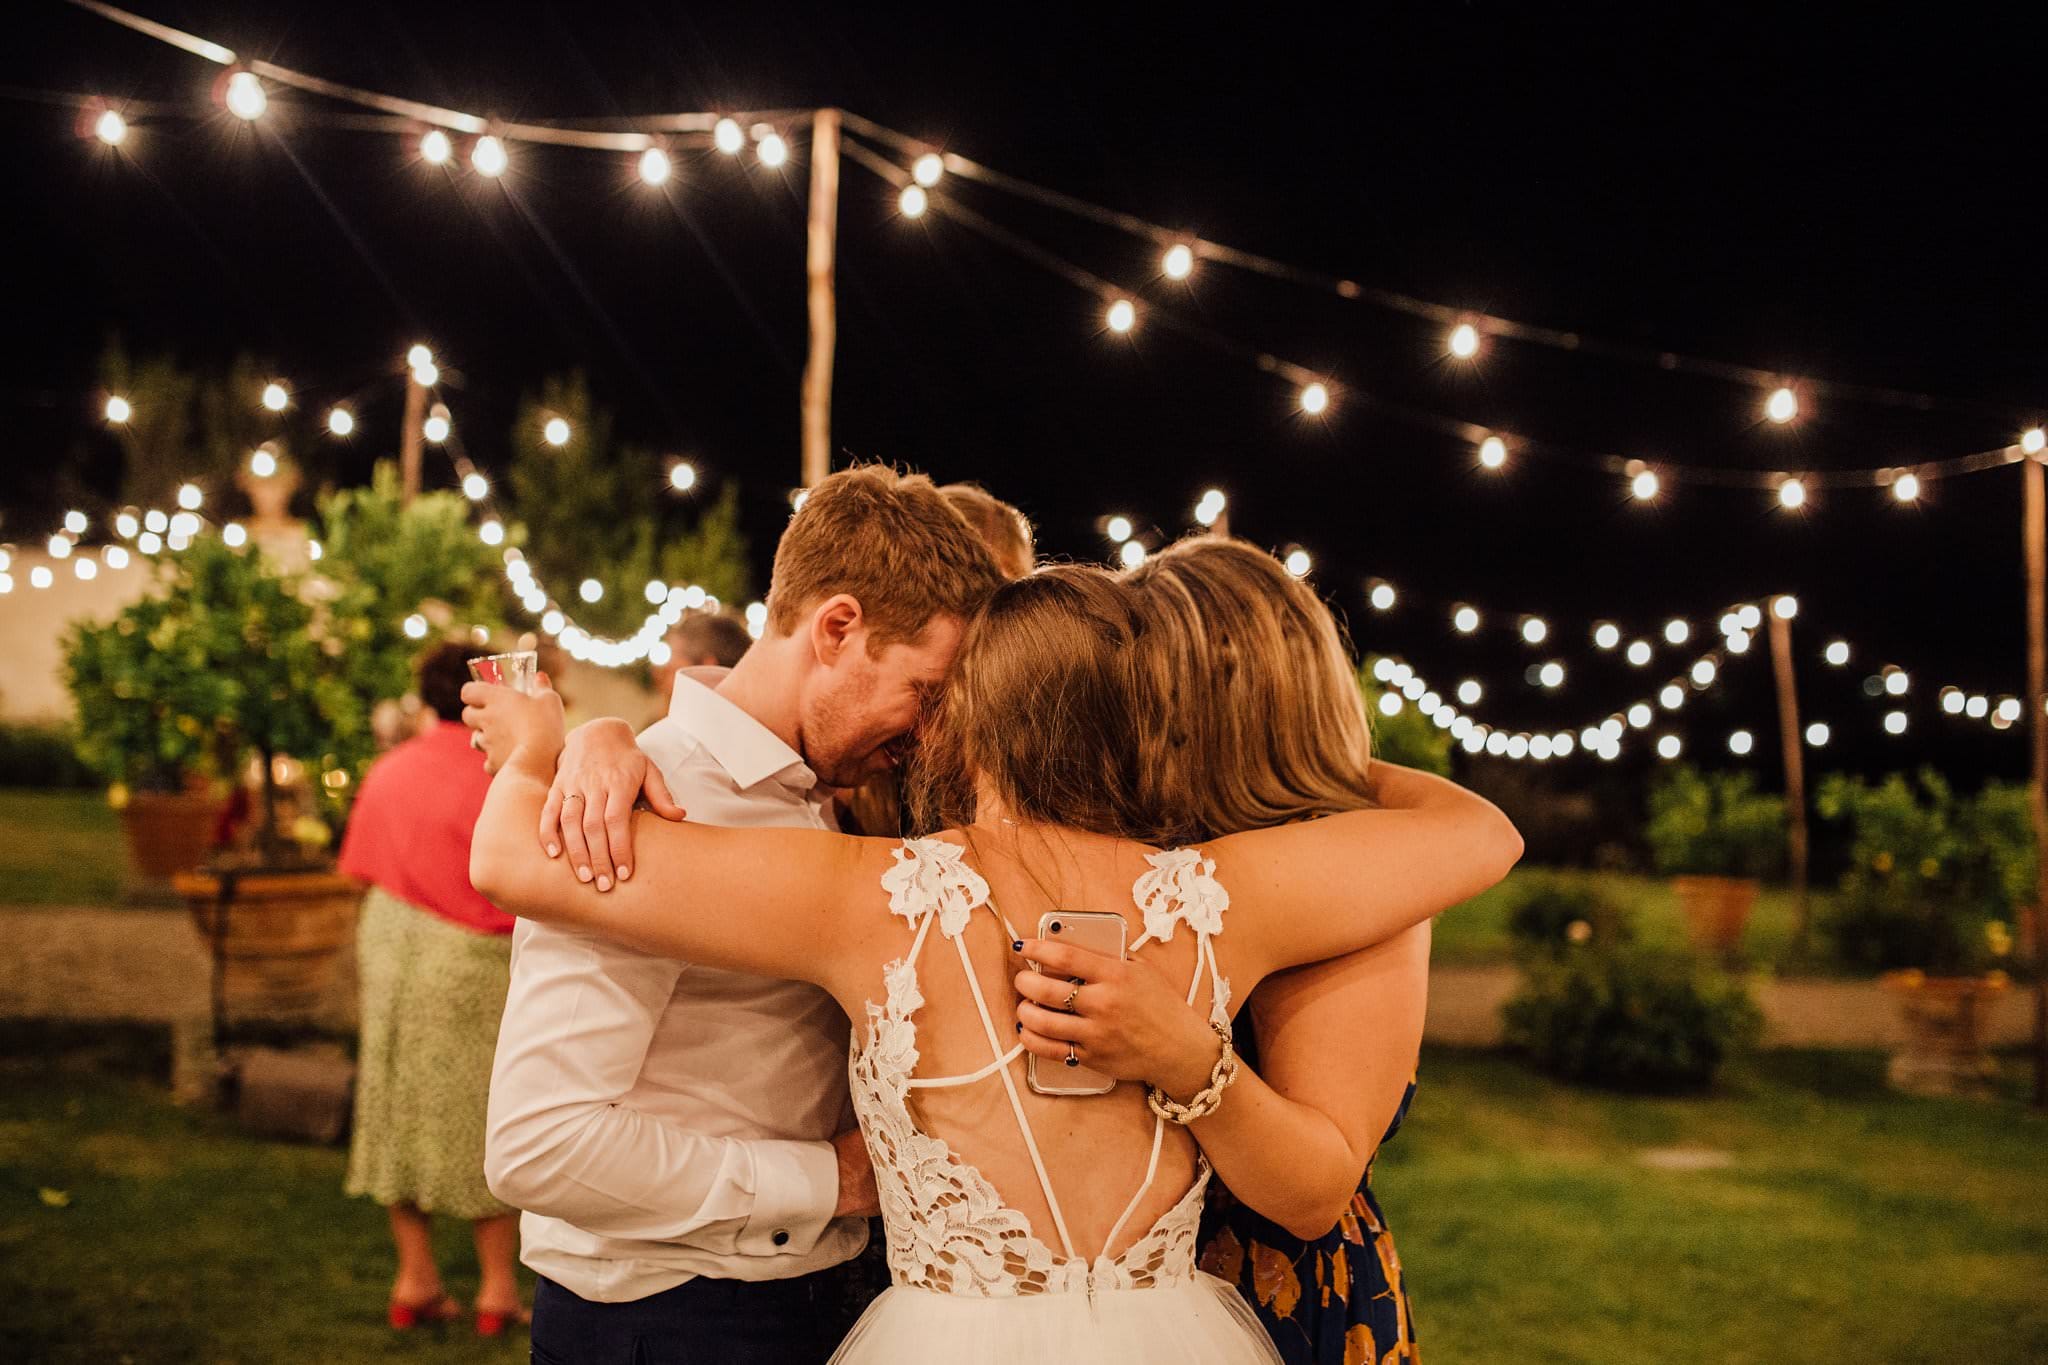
(655, 166)
(682, 476)
(488, 157)
(110, 128)
(75, 522)
(419, 355)
(1643, 485)
(556, 432)
(1640, 715)
(1132, 554)
(1551, 675)
(125, 525)
(1534, 630)
(1469, 692)
(757, 618)
(189, 497)
(118, 409)
(1606, 635)
(1677, 632)
(1669, 746)
(155, 521)
(115, 556)
(1792, 493)
(1895, 722)
(1672, 696)
(340, 421)
(40, 576)
(234, 535)
(1896, 681)
(1298, 562)
(1315, 399)
(772, 150)
(1118, 529)
(475, 487)
(1741, 742)
(927, 169)
(1906, 487)
(2034, 441)
(590, 590)
(436, 427)
(1493, 452)
(262, 463)
(148, 543)
(1837, 652)
(728, 137)
(416, 627)
(1465, 620)
(1123, 315)
(59, 547)
(1703, 672)
(276, 397)
(427, 375)
(435, 148)
(1782, 406)
(1179, 261)
(913, 201)
(1382, 596)
(1211, 507)
(1784, 606)
(245, 96)
(1464, 341)
(1817, 733)
(492, 532)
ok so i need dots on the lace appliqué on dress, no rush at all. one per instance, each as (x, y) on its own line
(931, 875)
(1181, 886)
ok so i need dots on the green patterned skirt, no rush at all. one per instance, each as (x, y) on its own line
(432, 997)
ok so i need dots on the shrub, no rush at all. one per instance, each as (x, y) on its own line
(1715, 825)
(1550, 909)
(1933, 878)
(42, 756)
(1630, 1018)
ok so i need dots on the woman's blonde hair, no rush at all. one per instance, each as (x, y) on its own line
(1252, 713)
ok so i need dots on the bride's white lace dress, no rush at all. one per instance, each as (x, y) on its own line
(972, 1280)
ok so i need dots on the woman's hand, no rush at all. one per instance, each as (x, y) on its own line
(589, 811)
(1127, 1020)
(515, 728)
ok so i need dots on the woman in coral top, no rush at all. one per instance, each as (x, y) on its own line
(434, 960)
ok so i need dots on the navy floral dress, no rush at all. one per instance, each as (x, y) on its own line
(1337, 1300)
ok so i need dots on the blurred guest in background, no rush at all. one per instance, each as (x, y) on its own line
(434, 961)
(1001, 527)
(700, 639)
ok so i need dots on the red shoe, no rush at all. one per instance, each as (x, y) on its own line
(406, 1316)
(490, 1324)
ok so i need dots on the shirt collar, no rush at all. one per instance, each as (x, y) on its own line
(749, 751)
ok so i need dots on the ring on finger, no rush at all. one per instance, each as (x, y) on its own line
(1072, 1060)
(1068, 1004)
(572, 796)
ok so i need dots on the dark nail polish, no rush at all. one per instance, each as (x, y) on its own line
(1073, 1061)
(1016, 945)
(1020, 1026)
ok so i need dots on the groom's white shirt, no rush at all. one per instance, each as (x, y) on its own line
(658, 1121)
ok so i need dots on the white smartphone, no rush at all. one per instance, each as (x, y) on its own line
(1099, 931)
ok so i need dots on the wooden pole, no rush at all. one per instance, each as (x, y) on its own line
(819, 256)
(1795, 767)
(2035, 530)
(409, 439)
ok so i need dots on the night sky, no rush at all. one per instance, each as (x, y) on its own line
(1849, 194)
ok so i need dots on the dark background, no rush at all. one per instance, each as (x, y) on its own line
(1853, 194)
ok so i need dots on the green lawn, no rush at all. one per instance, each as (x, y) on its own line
(1477, 931)
(1853, 1225)
(59, 848)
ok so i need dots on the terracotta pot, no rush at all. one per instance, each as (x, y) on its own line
(283, 935)
(1716, 909)
(1943, 1053)
(168, 833)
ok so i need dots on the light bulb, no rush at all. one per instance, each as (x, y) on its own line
(556, 432)
(416, 627)
(1132, 554)
(488, 157)
(75, 522)
(1390, 703)
(1315, 399)
(1534, 630)
(682, 476)
(125, 524)
(234, 534)
(2034, 440)
(183, 527)
(1782, 406)
(1551, 674)
(118, 409)
(436, 427)
(1118, 529)
(590, 590)
(1178, 262)
(1837, 652)
(86, 569)
(419, 354)
(1975, 707)
(435, 148)
(657, 591)
(728, 137)
(1817, 733)
(1464, 342)
(1640, 715)
(1606, 635)
(1703, 672)
(262, 463)
(475, 487)
(1644, 485)
(1785, 606)
(1672, 696)
(189, 497)
(276, 397)
(341, 421)
(913, 201)
(245, 97)
(1677, 632)
(655, 166)
(1465, 620)
(927, 169)
(1906, 487)
(1493, 452)
(1383, 596)
(1895, 722)
(116, 557)
(40, 576)
(1792, 493)
(1469, 692)
(1123, 315)
(1669, 746)
(1298, 563)
(427, 375)
(772, 150)
(1741, 742)
(156, 521)
(1897, 681)
(110, 128)
(59, 547)
(149, 542)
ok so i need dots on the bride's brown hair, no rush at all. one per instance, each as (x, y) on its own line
(1247, 695)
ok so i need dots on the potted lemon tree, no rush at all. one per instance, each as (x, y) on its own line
(1928, 897)
(1716, 837)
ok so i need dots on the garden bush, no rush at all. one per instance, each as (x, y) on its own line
(42, 756)
(1553, 913)
(1629, 1017)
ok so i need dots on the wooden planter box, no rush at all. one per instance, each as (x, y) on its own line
(1716, 910)
(1944, 1051)
(278, 935)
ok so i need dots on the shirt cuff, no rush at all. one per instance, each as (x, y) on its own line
(796, 1187)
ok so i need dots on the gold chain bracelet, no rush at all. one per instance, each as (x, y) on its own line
(1205, 1102)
